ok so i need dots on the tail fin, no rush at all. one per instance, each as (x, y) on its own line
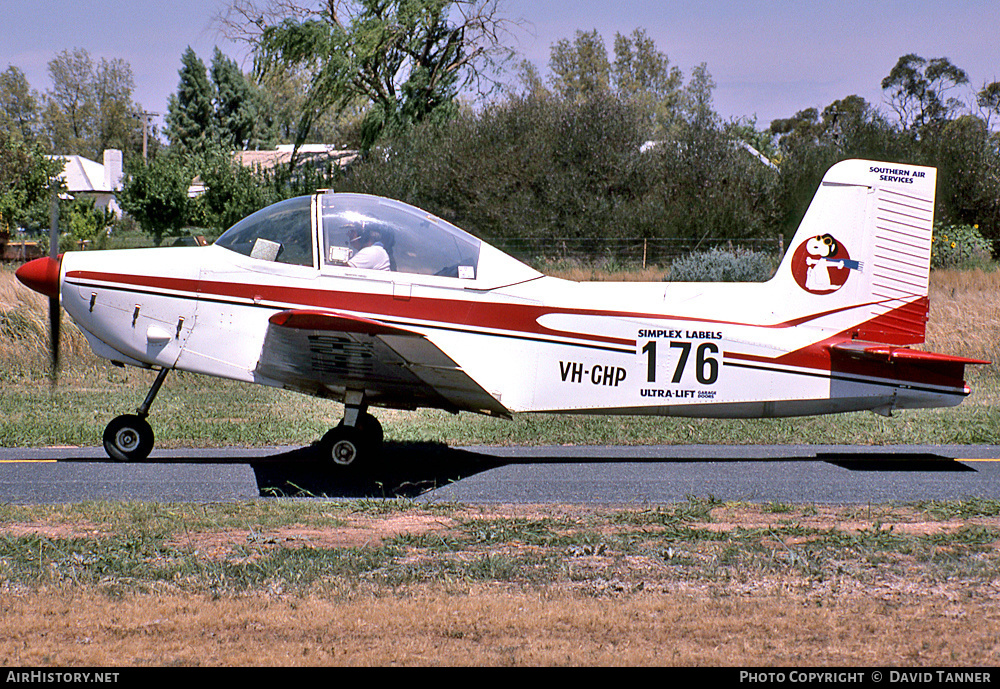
(862, 252)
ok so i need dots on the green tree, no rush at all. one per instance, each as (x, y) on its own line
(85, 222)
(746, 130)
(242, 116)
(640, 74)
(27, 180)
(232, 190)
(988, 99)
(696, 98)
(803, 128)
(527, 166)
(528, 81)
(639, 68)
(643, 75)
(89, 107)
(19, 105)
(190, 115)
(156, 193)
(560, 164)
(968, 162)
(936, 130)
(404, 60)
(580, 69)
(811, 127)
(811, 141)
(711, 184)
(542, 166)
(116, 124)
(917, 89)
(282, 96)
(71, 109)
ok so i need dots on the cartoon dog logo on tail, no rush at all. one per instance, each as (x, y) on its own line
(821, 265)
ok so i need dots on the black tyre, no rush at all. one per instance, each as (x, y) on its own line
(345, 445)
(128, 438)
(372, 430)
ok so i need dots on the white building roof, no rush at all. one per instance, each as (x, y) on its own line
(84, 175)
(81, 174)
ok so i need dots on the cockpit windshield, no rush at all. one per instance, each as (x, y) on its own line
(380, 234)
(281, 233)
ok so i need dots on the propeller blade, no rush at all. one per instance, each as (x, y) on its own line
(54, 323)
(54, 315)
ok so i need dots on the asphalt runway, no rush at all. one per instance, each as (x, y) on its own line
(578, 474)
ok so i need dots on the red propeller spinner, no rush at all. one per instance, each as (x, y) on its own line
(41, 275)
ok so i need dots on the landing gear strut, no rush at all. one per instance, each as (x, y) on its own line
(357, 438)
(129, 437)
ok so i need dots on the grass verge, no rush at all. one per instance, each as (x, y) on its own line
(392, 582)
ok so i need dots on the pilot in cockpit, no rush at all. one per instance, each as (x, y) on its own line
(368, 249)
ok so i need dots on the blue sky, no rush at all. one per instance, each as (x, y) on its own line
(769, 58)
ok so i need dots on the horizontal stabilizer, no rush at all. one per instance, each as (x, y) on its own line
(904, 363)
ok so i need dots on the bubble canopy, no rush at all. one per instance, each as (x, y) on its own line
(414, 241)
(281, 232)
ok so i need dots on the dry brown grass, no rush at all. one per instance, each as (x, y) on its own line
(24, 328)
(604, 606)
(965, 313)
(25, 324)
(583, 272)
(492, 626)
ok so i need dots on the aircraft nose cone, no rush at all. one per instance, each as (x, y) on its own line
(41, 275)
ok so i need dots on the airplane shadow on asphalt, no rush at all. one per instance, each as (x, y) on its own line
(404, 470)
(407, 470)
(916, 461)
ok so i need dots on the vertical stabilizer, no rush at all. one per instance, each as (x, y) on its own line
(863, 250)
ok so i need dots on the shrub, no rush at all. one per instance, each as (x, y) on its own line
(733, 264)
(550, 168)
(85, 221)
(959, 245)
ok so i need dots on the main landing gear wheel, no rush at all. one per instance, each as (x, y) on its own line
(128, 438)
(347, 445)
(371, 429)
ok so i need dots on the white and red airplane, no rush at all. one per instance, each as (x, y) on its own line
(373, 302)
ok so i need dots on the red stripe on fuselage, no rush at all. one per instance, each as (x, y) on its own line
(443, 312)
(451, 313)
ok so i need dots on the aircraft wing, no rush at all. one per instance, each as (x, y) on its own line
(395, 367)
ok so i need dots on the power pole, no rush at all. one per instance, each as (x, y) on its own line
(145, 131)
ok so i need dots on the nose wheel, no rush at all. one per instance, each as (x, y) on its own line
(129, 437)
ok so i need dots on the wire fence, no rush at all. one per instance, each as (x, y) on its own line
(626, 250)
